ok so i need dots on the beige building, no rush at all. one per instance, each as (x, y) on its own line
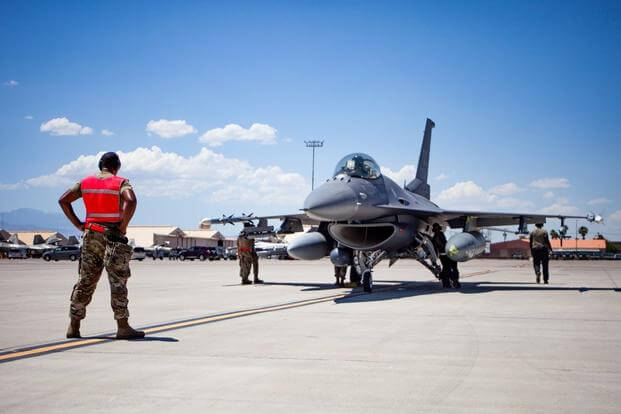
(27, 237)
(171, 236)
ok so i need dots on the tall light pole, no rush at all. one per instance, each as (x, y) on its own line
(313, 144)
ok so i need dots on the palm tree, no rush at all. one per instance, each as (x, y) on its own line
(583, 230)
(554, 234)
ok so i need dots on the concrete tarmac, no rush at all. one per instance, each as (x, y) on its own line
(500, 344)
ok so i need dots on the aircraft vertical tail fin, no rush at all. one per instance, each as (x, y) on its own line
(419, 184)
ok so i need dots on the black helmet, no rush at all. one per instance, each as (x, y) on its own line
(110, 161)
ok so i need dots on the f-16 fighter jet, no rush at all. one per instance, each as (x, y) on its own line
(363, 217)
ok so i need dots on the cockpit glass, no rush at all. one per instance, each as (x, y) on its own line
(358, 165)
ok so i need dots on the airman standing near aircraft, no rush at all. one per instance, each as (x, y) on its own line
(449, 273)
(110, 204)
(248, 258)
(540, 249)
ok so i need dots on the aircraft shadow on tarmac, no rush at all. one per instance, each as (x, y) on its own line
(410, 289)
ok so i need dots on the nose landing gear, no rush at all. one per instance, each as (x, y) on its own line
(365, 261)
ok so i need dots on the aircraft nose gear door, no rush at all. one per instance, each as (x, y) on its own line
(365, 261)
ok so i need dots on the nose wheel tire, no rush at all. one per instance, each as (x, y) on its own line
(367, 281)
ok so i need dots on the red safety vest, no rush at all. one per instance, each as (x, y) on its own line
(102, 198)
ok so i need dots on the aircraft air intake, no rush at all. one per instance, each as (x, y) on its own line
(372, 236)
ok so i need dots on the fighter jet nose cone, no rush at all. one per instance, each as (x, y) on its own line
(332, 201)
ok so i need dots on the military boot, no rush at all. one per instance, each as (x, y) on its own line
(125, 331)
(258, 281)
(73, 331)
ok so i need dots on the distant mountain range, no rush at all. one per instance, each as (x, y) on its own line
(33, 219)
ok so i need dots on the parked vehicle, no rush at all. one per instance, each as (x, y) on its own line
(174, 253)
(16, 253)
(63, 253)
(139, 254)
(198, 252)
(230, 253)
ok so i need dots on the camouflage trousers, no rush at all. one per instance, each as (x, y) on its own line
(340, 272)
(248, 261)
(99, 253)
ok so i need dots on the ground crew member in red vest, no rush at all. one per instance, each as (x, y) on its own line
(110, 204)
(248, 258)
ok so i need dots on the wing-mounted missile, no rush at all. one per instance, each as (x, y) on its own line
(465, 246)
(231, 219)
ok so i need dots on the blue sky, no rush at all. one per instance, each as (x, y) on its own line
(525, 96)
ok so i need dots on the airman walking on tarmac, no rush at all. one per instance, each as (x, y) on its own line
(110, 204)
(540, 249)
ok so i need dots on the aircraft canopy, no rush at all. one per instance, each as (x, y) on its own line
(358, 165)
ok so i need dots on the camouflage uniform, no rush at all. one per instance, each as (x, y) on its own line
(340, 272)
(246, 255)
(99, 253)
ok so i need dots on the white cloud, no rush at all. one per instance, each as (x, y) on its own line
(562, 206)
(29, 117)
(15, 186)
(467, 195)
(107, 132)
(545, 183)
(11, 83)
(514, 203)
(62, 126)
(442, 177)
(155, 173)
(466, 192)
(405, 174)
(600, 200)
(548, 195)
(505, 189)
(615, 217)
(170, 129)
(263, 133)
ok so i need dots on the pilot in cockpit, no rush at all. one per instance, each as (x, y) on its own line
(358, 165)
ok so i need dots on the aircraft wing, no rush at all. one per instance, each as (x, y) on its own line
(481, 219)
(460, 219)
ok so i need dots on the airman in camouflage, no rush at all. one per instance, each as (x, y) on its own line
(340, 272)
(99, 253)
(248, 259)
(110, 204)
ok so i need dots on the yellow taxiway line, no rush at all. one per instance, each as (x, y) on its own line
(78, 343)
